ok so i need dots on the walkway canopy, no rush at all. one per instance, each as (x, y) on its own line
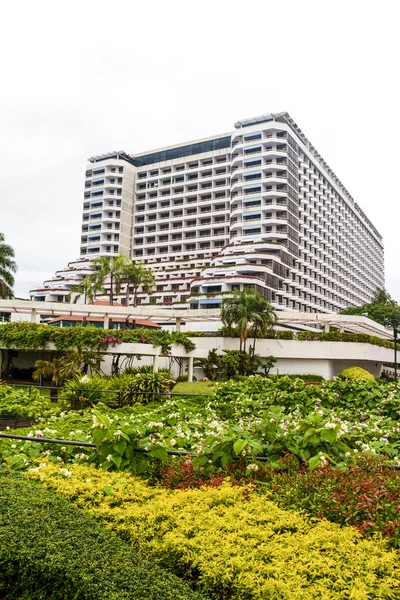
(350, 323)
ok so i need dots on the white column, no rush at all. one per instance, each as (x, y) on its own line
(190, 369)
(155, 362)
(327, 328)
(178, 324)
(33, 315)
(106, 321)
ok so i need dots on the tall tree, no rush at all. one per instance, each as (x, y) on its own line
(136, 275)
(111, 268)
(7, 269)
(246, 308)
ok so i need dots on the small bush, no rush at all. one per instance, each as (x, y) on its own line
(50, 550)
(144, 387)
(182, 379)
(356, 373)
(84, 391)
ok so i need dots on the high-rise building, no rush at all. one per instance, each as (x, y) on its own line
(257, 207)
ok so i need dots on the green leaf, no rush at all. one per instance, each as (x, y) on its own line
(117, 460)
(226, 459)
(107, 489)
(160, 453)
(314, 440)
(314, 462)
(328, 435)
(120, 447)
(239, 445)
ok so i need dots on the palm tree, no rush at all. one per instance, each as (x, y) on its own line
(7, 267)
(88, 288)
(137, 275)
(244, 308)
(111, 268)
(78, 360)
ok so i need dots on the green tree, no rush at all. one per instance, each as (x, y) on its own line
(111, 268)
(7, 269)
(88, 288)
(76, 361)
(136, 275)
(245, 308)
(382, 309)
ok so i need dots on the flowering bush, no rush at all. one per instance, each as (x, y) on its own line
(33, 336)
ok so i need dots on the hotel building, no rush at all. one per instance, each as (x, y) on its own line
(256, 207)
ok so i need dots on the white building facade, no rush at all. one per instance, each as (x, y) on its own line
(257, 207)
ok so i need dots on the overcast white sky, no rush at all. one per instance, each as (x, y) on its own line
(83, 78)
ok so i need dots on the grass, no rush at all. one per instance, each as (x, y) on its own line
(195, 387)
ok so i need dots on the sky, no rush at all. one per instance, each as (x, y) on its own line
(84, 78)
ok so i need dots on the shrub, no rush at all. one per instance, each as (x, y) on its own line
(233, 543)
(303, 376)
(26, 402)
(85, 391)
(50, 550)
(365, 496)
(144, 387)
(356, 373)
(181, 378)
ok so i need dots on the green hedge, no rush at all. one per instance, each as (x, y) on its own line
(305, 336)
(50, 550)
(31, 336)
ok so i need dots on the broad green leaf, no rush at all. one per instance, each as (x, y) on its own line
(239, 445)
(328, 435)
(159, 452)
(314, 462)
(120, 447)
(117, 460)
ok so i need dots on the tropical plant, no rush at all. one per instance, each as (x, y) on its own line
(7, 269)
(111, 268)
(245, 308)
(210, 365)
(88, 288)
(76, 361)
(136, 275)
(79, 360)
(144, 387)
(85, 391)
(55, 369)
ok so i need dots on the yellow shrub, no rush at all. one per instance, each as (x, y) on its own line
(232, 546)
(357, 373)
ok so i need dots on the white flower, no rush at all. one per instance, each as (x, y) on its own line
(65, 472)
(88, 480)
(252, 467)
(63, 448)
(109, 458)
(13, 446)
(84, 379)
(172, 442)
